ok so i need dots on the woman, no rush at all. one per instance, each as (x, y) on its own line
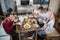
(50, 22)
(8, 24)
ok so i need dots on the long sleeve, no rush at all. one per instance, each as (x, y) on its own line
(50, 15)
(7, 26)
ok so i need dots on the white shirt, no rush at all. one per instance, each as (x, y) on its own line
(42, 15)
(49, 28)
(50, 15)
(36, 11)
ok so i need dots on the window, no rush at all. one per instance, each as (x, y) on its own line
(24, 2)
(41, 1)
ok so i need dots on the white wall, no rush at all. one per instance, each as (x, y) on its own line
(18, 3)
(3, 6)
(6, 4)
(54, 5)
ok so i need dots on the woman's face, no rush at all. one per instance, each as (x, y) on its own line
(15, 16)
(45, 10)
(11, 17)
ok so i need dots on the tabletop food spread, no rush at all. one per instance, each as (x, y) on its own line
(27, 22)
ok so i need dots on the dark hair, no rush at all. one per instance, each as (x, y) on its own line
(7, 15)
(41, 8)
(13, 13)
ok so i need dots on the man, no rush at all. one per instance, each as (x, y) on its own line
(36, 11)
(40, 20)
(41, 17)
(8, 24)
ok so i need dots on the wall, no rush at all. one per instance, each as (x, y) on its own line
(54, 6)
(6, 4)
(9, 4)
(3, 6)
(18, 2)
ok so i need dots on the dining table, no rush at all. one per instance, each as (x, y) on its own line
(20, 30)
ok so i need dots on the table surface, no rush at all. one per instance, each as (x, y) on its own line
(19, 30)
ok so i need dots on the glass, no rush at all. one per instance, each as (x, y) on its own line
(21, 19)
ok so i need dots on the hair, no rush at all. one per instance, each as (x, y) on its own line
(41, 8)
(7, 15)
(47, 9)
(10, 14)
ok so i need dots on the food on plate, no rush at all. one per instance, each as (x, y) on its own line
(30, 16)
(19, 23)
(35, 25)
(25, 17)
(27, 26)
(28, 21)
(34, 21)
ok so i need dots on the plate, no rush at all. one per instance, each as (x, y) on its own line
(19, 23)
(27, 26)
(35, 25)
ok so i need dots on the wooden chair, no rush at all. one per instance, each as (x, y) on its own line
(53, 35)
(3, 34)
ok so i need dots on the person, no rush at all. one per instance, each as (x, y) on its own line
(36, 11)
(48, 24)
(49, 27)
(41, 17)
(8, 24)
